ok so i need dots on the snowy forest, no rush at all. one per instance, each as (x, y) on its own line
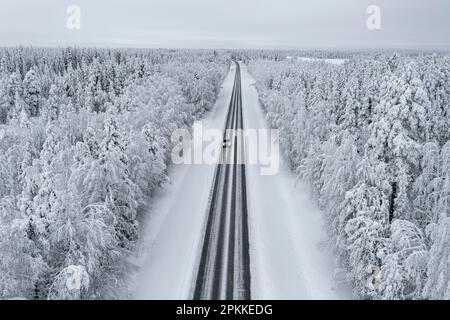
(371, 138)
(84, 142)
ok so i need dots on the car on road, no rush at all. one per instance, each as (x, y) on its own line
(226, 143)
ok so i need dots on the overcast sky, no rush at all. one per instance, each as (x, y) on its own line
(280, 24)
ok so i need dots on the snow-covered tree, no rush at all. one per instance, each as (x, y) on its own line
(371, 139)
(32, 92)
(51, 109)
(21, 264)
(438, 274)
(108, 181)
(84, 143)
(404, 262)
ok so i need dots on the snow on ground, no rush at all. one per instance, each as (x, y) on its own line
(285, 227)
(173, 232)
(331, 61)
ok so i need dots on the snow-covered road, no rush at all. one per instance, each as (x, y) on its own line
(285, 230)
(224, 268)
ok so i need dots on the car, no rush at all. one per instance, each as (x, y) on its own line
(226, 143)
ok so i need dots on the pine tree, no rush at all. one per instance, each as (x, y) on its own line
(95, 96)
(350, 119)
(14, 85)
(51, 110)
(108, 181)
(438, 274)
(32, 92)
(5, 104)
(21, 263)
(19, 111)
(404, 260)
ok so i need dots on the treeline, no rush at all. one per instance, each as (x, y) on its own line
(84, 142)
(371, 138)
